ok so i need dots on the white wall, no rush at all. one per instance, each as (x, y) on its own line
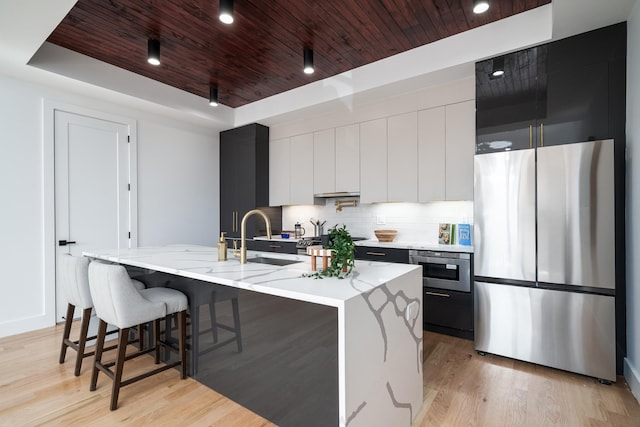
(415, 222)
(177, 191)
(632, 362)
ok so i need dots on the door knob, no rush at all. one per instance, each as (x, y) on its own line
(65, 243)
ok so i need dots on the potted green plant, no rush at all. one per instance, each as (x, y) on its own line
(343, 256)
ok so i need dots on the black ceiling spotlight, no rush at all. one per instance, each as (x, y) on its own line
(226, 11)
(480, 6)
(497, 70)
(213, 96)
(308, 61)
(153, 52)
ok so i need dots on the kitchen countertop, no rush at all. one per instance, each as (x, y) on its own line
(201, 263)
(401, 244)
(415, 245)
(378, 319)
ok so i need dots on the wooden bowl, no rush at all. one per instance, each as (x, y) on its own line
(385, 235)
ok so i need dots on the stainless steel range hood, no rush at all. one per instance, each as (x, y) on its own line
(338, 194)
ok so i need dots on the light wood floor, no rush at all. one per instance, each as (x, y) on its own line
(461, 389)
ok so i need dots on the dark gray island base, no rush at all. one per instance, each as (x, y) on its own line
(287, 371)
(313, 352)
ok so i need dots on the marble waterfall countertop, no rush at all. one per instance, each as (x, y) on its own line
(378, 321)
(201, 263)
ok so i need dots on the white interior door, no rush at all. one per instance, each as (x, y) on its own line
(92, 204)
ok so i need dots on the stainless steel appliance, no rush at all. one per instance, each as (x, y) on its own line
(443, 270)
(447, 298)
(545, 256)
(304, 242)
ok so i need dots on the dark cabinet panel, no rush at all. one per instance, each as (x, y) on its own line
(560, 93)
(271, 246)
(374, 253)
(244, 177)
(448, 311)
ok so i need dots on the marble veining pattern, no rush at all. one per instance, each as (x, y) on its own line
(381, 303)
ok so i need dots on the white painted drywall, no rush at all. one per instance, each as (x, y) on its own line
(632, 362)
(177, 191)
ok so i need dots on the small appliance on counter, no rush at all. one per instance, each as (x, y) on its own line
(318, 227)
(299, 230)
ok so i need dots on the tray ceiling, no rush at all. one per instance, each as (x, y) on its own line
(260, 54)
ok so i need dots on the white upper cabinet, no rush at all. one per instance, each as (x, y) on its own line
(431, 154)
(324, 161)
(347, 158)
(300, 177)
(279, 172)
(373, 161)
(402, 158)
(460, 123)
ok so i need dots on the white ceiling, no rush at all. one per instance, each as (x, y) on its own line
(23, 55)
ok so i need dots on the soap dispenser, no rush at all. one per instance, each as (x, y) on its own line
(222, 248)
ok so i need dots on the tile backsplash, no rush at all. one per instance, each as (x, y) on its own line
(415, 222)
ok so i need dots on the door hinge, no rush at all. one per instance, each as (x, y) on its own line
(129, 234)
(129, 187)
(128, 138)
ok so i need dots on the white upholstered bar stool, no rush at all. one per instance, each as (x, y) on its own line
(74, 278)
(119, 303)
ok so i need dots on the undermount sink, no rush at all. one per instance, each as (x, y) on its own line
(272, 261)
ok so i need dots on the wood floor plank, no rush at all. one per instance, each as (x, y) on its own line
(461, 388)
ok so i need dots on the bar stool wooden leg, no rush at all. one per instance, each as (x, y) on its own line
(102, 331)
(82, 341)
(67, 331)
(156, 338)
(123, 340)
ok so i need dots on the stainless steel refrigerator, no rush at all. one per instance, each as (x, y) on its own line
(545, 256)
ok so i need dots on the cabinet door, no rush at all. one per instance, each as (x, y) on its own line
(300, 177)
(577, 105)
(279, 172)
(402, 162)
(431, 155)
(507, 106)
(324, 162)
(460, 136)
(374, 253)
(348, 158)
(373, 161)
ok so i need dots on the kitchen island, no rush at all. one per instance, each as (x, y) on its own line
(362, 363)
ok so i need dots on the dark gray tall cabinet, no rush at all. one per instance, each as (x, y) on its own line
(244, 177)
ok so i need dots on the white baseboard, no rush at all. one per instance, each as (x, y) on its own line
(632, 377)
(19, 326)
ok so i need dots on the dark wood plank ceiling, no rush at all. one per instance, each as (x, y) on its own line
(260, 54)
